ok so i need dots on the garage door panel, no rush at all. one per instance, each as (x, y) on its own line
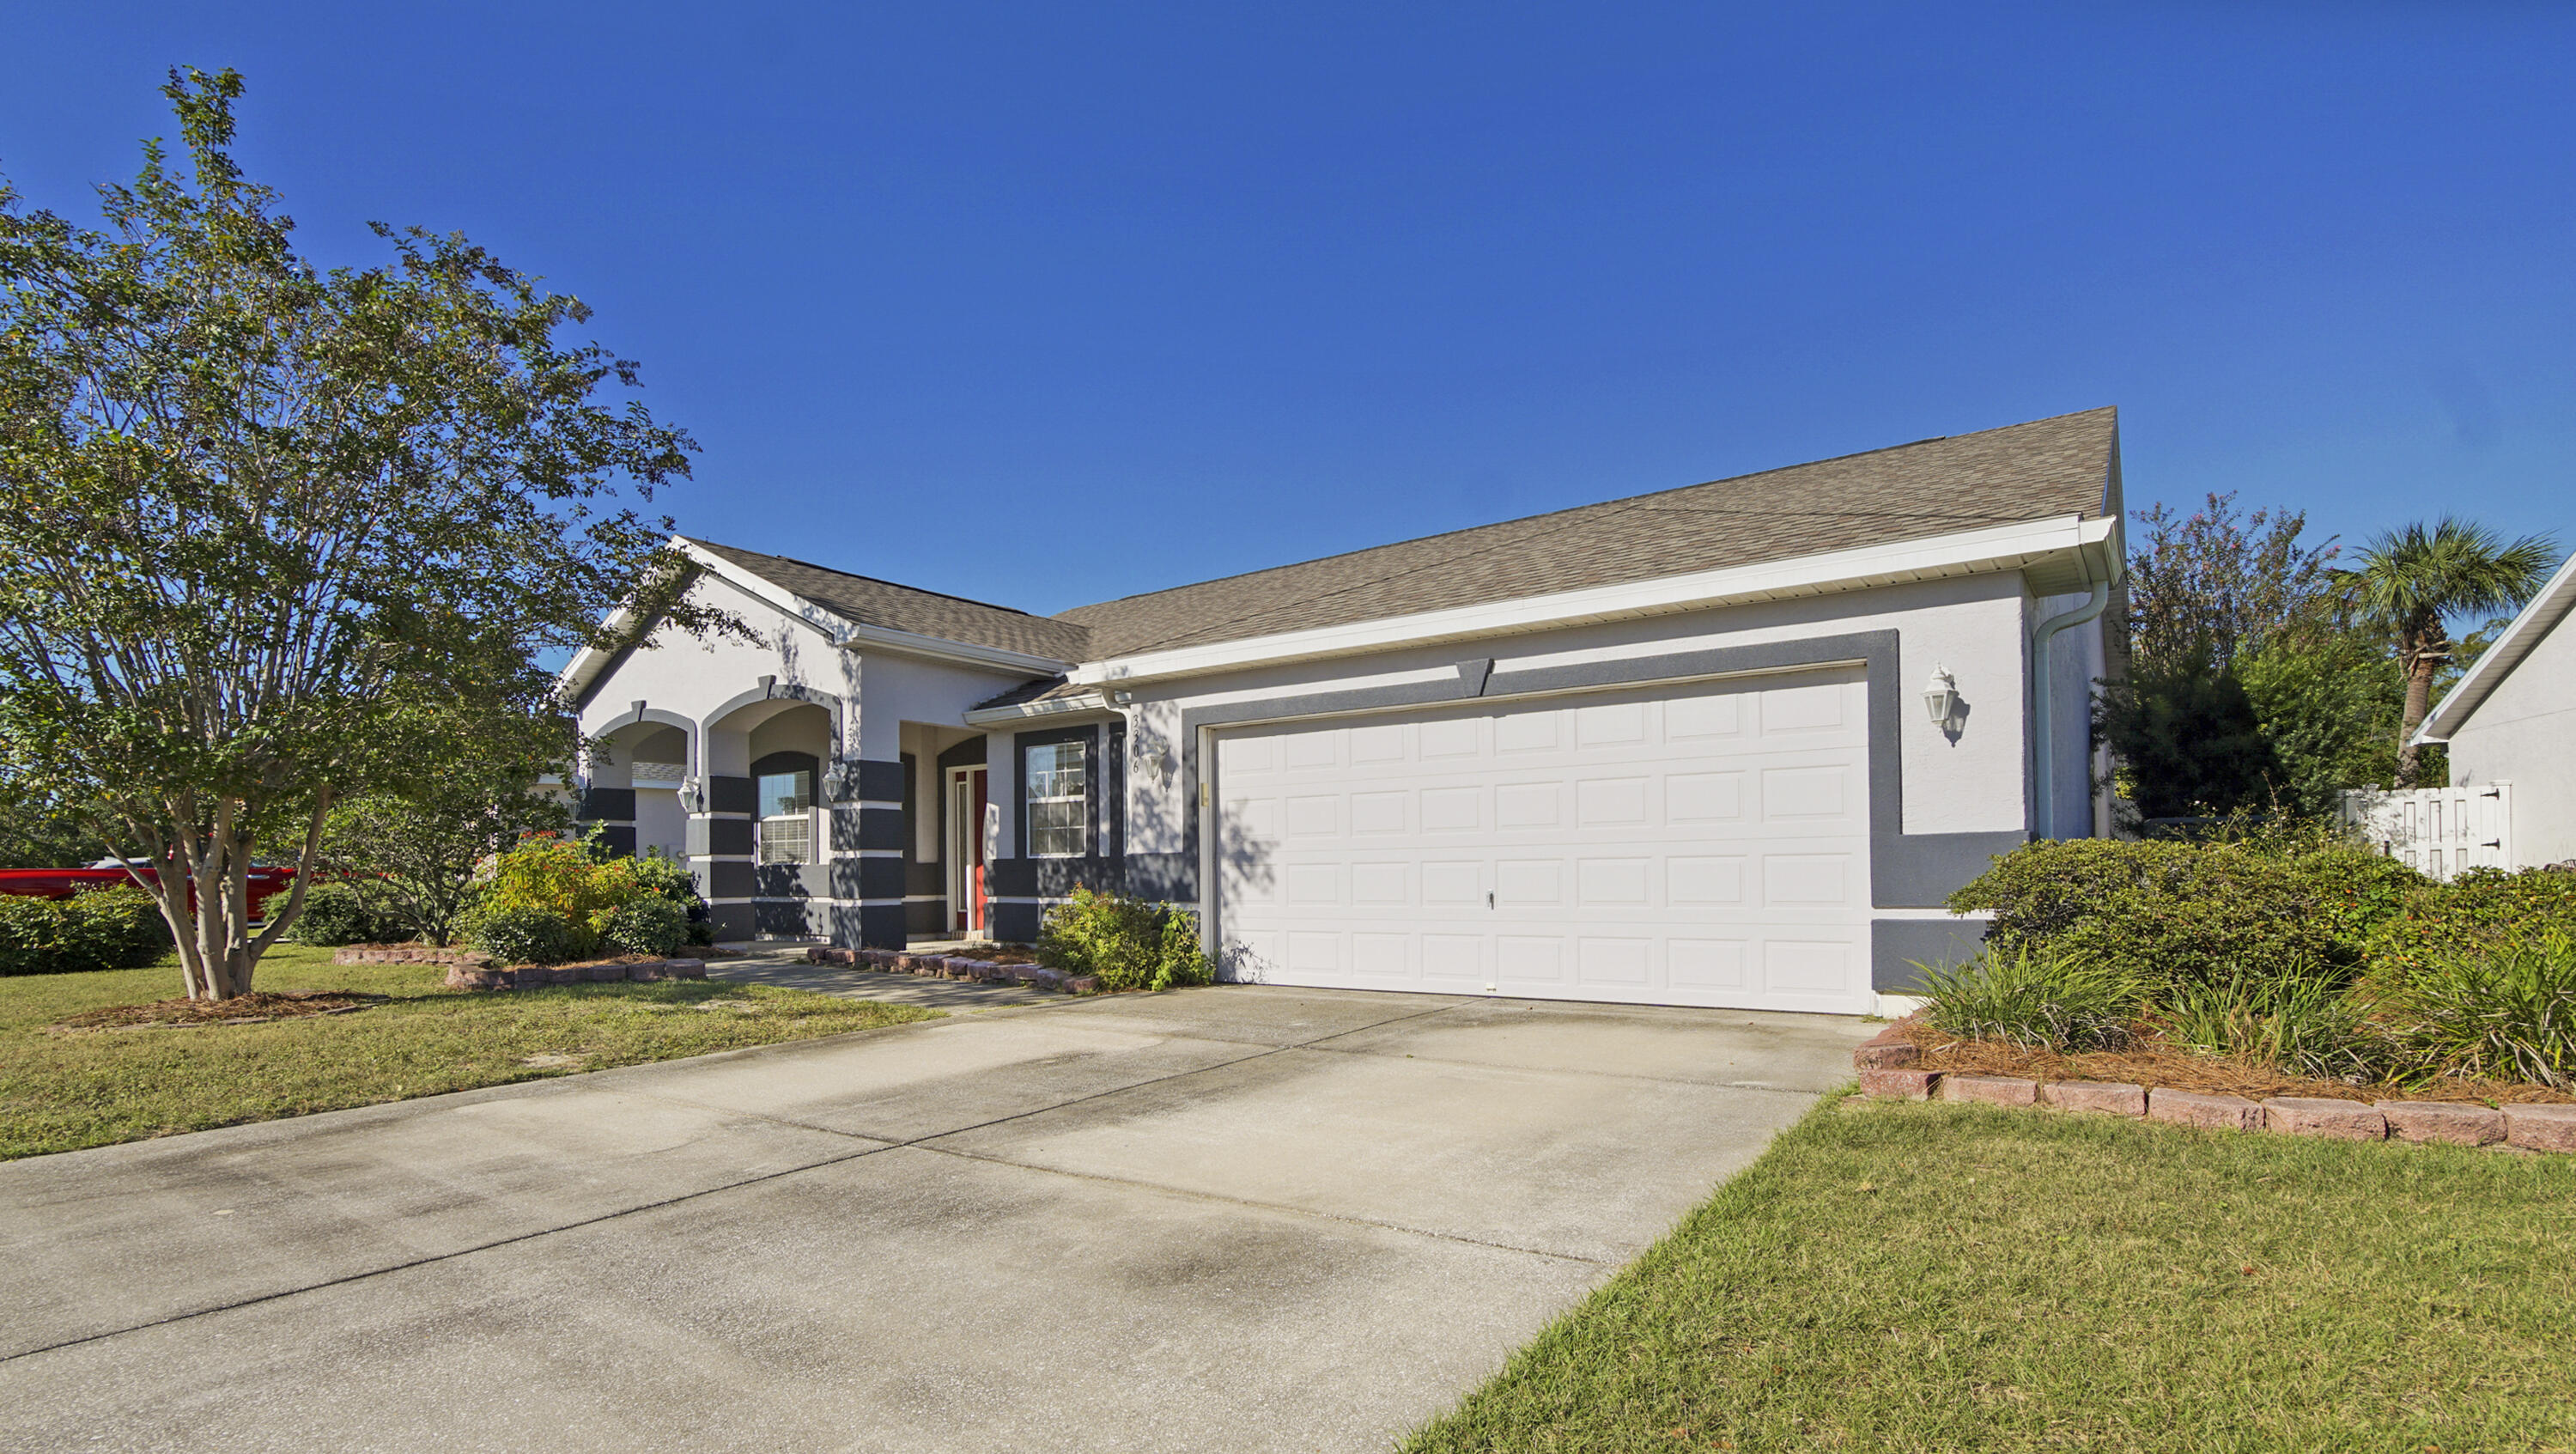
(1706, 846)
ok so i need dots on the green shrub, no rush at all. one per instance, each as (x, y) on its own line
(1184, 960)
(117, 927)
(1128, 944)
(2162, 913)
(646, 926)
(2484, 909)
(2505, 1010)
(526, 934)
(342, 912)
(668, 878)
(2033, 998)
(2306, 1022)
(2357, 891)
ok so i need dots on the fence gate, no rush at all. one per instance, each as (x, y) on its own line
(2437, 831)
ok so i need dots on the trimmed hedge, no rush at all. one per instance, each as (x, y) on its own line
(2483, 911)
(118, 927)
(525, 934)
(2170, 913)
(341, 912)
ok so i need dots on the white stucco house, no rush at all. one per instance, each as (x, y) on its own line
(1729, 745)
(2512, 719)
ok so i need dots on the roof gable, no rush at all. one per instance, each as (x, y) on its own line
(867, 601)
(2555, 602)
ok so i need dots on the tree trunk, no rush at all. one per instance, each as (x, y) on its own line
(2420, 667)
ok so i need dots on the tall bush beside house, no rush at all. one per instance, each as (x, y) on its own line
(1127, 944)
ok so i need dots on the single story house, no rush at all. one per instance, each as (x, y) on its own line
(2511, 718)
(1726, 745)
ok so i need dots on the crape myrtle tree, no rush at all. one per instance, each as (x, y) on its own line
(274, 534)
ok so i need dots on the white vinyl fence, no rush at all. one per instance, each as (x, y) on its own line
(2439, 831)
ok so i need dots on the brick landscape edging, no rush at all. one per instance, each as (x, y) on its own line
(1890, 1068)
(529, 976)
(954, 966)
(408, 954)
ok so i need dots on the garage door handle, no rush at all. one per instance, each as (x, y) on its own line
(1489, 898)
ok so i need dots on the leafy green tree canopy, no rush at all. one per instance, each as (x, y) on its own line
(272, 533)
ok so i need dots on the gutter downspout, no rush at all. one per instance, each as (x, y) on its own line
(2042, 733)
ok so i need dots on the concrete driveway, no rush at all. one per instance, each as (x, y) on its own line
(1226, 1219)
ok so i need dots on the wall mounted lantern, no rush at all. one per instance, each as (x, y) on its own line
(1941, 700)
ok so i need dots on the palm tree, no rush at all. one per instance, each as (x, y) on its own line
(2412, 581)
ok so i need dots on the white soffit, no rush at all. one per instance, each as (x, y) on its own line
(2553, 604)
(2062, 554)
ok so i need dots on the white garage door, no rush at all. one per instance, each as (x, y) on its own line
(1696, 845)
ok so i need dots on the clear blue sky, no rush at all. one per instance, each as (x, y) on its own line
(1054, 303)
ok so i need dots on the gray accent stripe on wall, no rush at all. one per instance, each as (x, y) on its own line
(720, 837)
(1896, 946)
(1906, 870)
(608, 805)
(732, 795)
(874, 781)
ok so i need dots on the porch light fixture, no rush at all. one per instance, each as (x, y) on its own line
(1941, 700)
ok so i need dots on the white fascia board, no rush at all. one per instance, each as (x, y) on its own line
(2543, 611)
(1968, 552)
(1050, 707)
(590, 661)
(846, 633)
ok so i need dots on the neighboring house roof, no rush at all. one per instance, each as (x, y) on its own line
(2556, 601)
(867, 601)
(2046, 469)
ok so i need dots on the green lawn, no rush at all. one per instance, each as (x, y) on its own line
(1940, 1277)
(60, 1092)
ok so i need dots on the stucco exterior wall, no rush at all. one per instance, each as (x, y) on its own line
(1972, 627)
(2524, 733)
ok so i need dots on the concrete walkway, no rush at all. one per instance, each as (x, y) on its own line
(1225, 1219)
(786, 968)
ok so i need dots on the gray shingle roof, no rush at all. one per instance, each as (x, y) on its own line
(2035, 471)
(871, 602)
(2068, 465)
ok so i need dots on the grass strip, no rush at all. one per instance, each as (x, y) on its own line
(63, 1090)
(1919, 1277)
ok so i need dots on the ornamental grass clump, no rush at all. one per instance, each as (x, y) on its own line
(2303, 1019)
(2037, 1000)
(2507, 1011)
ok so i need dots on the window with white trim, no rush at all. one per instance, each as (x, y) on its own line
(787, 817)
(1056, 789)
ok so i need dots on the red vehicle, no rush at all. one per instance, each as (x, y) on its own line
(62, 883)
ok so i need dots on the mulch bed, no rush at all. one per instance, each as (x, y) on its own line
(2155, 1065)
(251, 1009)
